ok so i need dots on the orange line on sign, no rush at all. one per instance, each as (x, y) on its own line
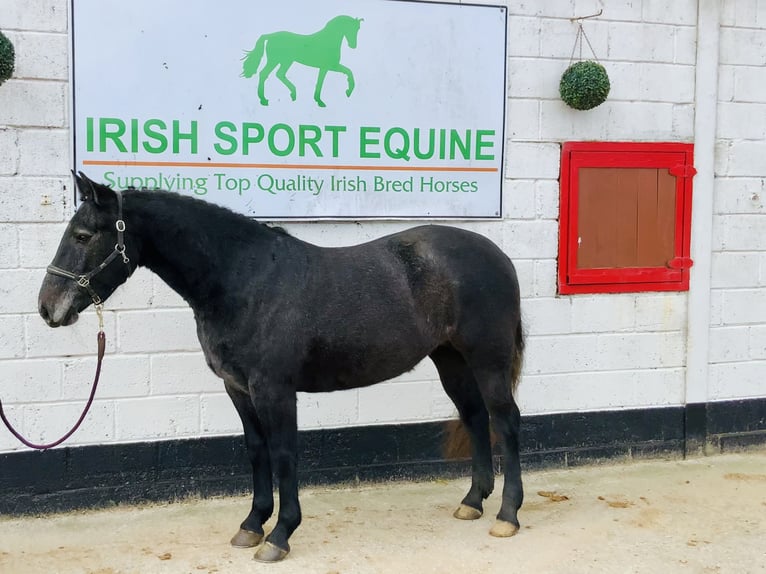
(284, 166)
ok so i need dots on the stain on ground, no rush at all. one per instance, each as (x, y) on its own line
(616, 501)
(743, 476)
(552, 495)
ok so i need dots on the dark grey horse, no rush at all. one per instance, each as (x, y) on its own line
(276, 315)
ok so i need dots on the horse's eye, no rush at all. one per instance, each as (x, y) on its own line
(82, 237)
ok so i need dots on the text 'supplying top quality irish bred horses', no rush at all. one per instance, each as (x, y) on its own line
(276, 315)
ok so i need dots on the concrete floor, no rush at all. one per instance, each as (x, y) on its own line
(705, 515)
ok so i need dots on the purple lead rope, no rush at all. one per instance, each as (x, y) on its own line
(101, 347)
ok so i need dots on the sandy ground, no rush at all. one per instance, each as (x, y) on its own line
(701, 515)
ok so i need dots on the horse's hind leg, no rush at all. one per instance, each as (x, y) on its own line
(318, 88)
(282, 75)
(251, 530)
(461, 387)
(495, 386)
(262, 76)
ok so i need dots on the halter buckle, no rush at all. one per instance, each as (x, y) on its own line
(121, 250)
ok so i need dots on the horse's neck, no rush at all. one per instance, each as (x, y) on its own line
(333, 31)
(191, 247)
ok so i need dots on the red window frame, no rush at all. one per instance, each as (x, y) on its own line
(678, 159)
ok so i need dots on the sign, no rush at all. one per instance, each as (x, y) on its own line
(296, 108)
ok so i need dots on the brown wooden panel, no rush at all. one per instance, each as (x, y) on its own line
(656, 219)
(596, 217)
(626, 217)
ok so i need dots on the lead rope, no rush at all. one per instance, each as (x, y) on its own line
(101, 338)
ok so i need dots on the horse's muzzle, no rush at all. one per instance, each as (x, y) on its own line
(57, 311)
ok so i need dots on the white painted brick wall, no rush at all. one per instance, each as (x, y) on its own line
(45, 152)
(31, 380)
(31, 199)
(584, 352)
(599, 390)
(157, 331)
(181, 373)
(9, 246)
(41, 55)
(157, 417)
(28, 103)
(9, 151)
(217, 415)
(660, 312)
(737, 346)
(122, 376)
(45, 422)
(37, 16)
(15, 292)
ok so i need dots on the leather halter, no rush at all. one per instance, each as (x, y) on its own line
(119, 250)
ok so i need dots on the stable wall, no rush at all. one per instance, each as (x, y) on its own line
(585, 352)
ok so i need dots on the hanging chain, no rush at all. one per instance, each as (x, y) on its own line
(578, 40)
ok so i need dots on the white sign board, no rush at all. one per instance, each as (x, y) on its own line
(295, 108)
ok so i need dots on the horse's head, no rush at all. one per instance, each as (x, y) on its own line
(346, 26)
(352, 30)
(75, 279)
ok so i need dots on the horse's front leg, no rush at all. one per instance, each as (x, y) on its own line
(349, 76)
(276, 408)
(250, 531)
(318, 88)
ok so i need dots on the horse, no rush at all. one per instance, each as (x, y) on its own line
(276, 315)
(319, 50)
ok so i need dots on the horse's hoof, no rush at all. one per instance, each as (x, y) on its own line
(269, 552)
(465, 512)
(503, 529)
(246, 539)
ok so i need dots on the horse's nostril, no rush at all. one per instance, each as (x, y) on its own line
(44, 313)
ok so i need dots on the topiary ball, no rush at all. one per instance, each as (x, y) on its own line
(7, 58)
(584, 85)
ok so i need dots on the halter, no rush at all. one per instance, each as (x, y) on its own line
(119, 250)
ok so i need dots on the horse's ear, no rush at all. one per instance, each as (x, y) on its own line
(90, 190)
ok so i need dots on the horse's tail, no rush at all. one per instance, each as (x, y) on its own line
(252, 59)
(457, 442)
(518, 357)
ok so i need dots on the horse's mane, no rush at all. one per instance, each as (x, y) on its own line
(197, 210)
(339, 20)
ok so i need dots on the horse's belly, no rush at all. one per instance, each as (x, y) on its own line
(331, 369)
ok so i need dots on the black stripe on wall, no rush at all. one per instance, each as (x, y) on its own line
(104, 475)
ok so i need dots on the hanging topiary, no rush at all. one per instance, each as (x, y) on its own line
(584, 85)
(7, 58)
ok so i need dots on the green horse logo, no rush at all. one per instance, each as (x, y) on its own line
(320, 50)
